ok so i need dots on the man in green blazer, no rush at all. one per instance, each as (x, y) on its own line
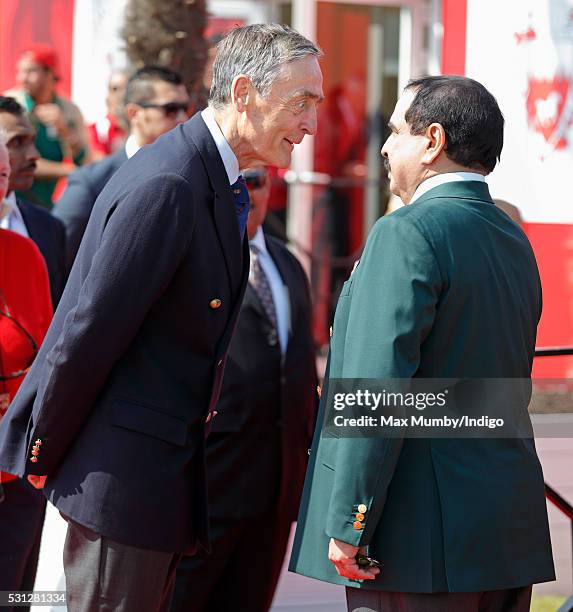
(447, 287)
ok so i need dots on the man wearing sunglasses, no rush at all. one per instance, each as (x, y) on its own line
(156, 100)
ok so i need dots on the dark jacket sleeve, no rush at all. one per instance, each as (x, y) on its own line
(60, 275)
(49, 234)
(142, 245)
(307, 309)
(74, 209)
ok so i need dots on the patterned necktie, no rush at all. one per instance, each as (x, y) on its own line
(242, 203)
(262, 287)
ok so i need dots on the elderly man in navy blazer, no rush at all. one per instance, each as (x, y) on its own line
(113, 415)
(156, 100)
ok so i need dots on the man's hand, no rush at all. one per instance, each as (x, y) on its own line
(37, 482)
(343, 556)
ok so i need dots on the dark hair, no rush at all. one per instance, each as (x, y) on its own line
(140, 88)
(468, 113)
(11, 105)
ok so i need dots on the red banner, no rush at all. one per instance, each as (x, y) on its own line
(23, 22)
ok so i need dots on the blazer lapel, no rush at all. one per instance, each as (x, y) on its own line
(35, 230)
(223, 203)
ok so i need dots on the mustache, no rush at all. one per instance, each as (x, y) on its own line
(387, 165)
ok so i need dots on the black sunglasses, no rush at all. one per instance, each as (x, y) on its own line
(170, 109)
(255, 179)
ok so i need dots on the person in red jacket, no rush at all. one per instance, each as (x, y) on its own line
(25, 311)
(25, 314)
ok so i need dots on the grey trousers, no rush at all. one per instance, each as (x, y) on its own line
(105, 576)
(509, 600)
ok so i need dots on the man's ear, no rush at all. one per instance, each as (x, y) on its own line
(240, 91)
(131, 110)
(436, 136)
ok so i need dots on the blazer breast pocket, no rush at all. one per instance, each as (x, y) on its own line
(148, 421)
(327, 454)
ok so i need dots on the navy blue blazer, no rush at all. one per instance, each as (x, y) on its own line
(75, 206)
(113, 409)
(50, 237)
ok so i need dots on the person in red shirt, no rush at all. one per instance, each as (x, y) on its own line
(25, 311)
(108, 134)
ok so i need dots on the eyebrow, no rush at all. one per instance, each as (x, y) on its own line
(392, 126)
(308, 94)
(20, 135)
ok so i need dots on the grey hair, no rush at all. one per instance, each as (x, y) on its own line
(259, 51)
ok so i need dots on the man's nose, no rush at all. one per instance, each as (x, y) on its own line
(33, 153)
(311, 122)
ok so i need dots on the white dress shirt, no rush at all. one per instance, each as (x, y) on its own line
(448, 177)
(229, 158)
(131, 146)
(12, 217)
(279, 290)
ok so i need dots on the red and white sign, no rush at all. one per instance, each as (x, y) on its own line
(523, 53)
(85, 34)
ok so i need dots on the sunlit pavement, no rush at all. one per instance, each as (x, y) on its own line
(304, 594)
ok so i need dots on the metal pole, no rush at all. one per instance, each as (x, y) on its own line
(300, 196)
(373, 111)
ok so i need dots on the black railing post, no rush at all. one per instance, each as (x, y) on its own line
(550, 493)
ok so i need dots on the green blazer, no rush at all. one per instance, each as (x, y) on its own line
(447, 287)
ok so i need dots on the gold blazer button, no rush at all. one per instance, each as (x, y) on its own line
(359, 517)
(357, 525)
(215, 303)
(362, 508)
(34, 459)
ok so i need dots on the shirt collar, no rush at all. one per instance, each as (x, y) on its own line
(131, 146)
(447, 177)
(229, 158)
(258, 240)
(10, 207)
